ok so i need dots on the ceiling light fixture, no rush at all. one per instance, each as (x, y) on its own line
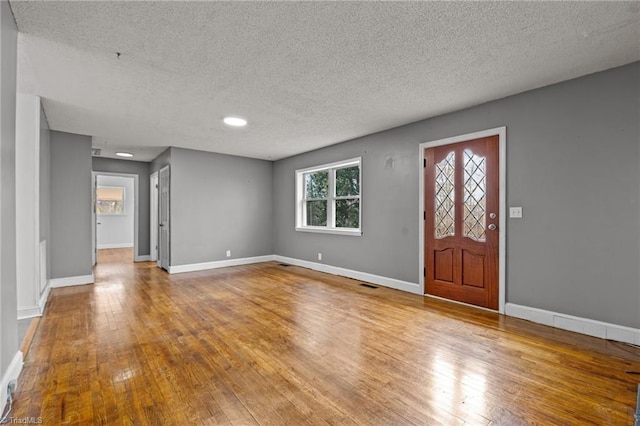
(235, 121)
(124, 154)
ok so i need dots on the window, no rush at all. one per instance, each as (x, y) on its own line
(328, 198)
(110, 200)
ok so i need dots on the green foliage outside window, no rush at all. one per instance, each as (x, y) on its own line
(348, 213)
(348, 181)
(348, 209)
(316, 213)
(345, 195)
(317, 191)
(317, 185)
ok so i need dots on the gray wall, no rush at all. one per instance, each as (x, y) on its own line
(218, 203)
(8, 289)
(45, 187)
(142, 169)
(161, 160)
(573, 165)
(70, 205)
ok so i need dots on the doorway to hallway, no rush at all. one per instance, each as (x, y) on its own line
(114, 213)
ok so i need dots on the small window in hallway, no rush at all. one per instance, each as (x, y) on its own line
(110, 200)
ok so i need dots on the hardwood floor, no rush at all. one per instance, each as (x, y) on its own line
(270, 344)
(26, 329)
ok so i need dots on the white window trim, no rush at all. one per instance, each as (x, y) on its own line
(300, 200)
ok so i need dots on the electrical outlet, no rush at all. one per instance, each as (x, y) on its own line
(228, 253)
(319, 256)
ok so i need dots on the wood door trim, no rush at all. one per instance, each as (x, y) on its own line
(501, 132)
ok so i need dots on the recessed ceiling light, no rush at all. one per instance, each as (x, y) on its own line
(124, 154)
(235, 121)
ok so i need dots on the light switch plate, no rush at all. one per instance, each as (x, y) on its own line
(515, 212)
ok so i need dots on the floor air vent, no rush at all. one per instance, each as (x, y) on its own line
(285, 265)
(368, 285)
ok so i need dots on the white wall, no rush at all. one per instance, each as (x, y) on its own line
(10, 355)
(117, 231)
(28, 204)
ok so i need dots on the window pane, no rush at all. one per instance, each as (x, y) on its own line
(109, 207)
(316, 213)
(445, 197)
(317, 184)
(110, 200)
(348, 181)
(474, 196)
(348, 213)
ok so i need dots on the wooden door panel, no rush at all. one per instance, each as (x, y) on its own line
(443, 265)
(461, 202)
(472, 269)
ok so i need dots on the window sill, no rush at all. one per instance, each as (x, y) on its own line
(350, 232)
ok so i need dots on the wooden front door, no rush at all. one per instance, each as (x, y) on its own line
(461, 221)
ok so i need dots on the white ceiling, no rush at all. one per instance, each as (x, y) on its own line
(304, 74)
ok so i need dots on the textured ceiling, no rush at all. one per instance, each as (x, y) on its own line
(305, 74)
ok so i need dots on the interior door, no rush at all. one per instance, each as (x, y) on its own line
(153, 217)
(461, 221)
(163, 219)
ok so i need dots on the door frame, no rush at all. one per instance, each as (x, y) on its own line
(153, 216)
(165, 169)
(501, 132)
(136, 207)
(94, 220)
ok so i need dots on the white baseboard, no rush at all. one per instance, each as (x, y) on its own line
(113, 246)
(44, 297)
(12, 373)
(357, 275)
(143, 258)
(219, 264)
(363, 276)
(70, 281)
(586, 326)
(25, 312)
(35, 311)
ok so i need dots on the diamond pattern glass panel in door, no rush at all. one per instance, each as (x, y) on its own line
(445, 197)
(475, 191)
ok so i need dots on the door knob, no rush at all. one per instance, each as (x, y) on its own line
(492, 215)
(492, 226)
